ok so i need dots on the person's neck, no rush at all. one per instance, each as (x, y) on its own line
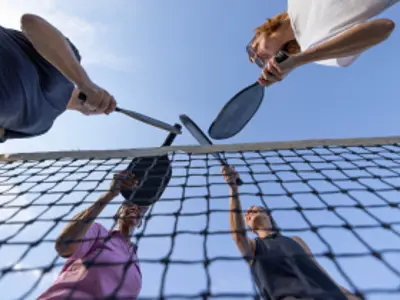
(126, 232)
(264, 233)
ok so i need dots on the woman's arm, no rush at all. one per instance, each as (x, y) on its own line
(245, 245)
(347, 293)
(353, 41)
(72, 234)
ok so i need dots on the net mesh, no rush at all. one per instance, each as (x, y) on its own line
(340, 196)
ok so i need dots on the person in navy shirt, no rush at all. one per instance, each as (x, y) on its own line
(40, 78)
(283, 268)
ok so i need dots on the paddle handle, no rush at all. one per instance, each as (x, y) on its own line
(171, 136)
(239, 181)
(281, 57)
(140, 117)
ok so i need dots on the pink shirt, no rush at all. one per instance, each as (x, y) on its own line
(98, 281)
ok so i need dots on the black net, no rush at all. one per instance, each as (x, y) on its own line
(343, 201)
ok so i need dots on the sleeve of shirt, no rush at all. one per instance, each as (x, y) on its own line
(336, 62)
(76, 51)
(88, 241)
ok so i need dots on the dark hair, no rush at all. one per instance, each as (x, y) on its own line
(154, 174)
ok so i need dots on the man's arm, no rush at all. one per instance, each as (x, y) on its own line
(346, 292)
(72, 234)
(54, 47)
(353, 41)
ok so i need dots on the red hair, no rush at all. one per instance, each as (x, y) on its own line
(271, 26)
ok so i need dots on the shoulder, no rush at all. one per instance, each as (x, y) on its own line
(96, 230)
(301, 242)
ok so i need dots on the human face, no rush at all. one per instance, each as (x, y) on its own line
(257, 218)
(262, 48)
(129, 217)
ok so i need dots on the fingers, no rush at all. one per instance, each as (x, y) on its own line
(126, 180)
(100, 101)
(271, 73)
(111, 106)
(229, 174)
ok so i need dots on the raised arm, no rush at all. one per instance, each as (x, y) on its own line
(54, 47)
(353, 41)
(346, 292)
(237, 223)
(72, 234)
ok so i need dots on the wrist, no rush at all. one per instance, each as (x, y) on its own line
(83, 81)
(303, 58)
(234, 189)
(108, 196)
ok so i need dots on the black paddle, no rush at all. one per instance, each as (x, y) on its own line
(235, 115)
(159, 173)
(141, 117)
(202, 139)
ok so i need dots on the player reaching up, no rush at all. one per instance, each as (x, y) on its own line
(328, 32)
(282, 267)
(40, 77)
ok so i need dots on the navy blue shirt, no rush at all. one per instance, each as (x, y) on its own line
(33, 93)
(281, 268)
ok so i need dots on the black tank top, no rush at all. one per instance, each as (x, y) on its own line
(281, 268)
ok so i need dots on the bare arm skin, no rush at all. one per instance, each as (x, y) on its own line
(54, 47)
(346, 292)
(72, 234)
(75, 230)
(353, 41)
(245, 245)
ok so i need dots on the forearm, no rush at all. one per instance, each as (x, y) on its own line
(351, 42)
(238, 227)
(54, 47)
(76, 229)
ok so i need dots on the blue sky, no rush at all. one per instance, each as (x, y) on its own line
(165, 58)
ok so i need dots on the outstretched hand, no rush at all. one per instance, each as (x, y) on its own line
(230, 176)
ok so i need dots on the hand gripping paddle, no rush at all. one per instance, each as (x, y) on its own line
(154, 174)
(235, 115)
(140, 117)
(202, 139)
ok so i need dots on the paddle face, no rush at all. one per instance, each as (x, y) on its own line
(155, 173)
(237, 112)
(235, 115)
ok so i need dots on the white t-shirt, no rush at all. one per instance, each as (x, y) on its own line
(316, 21)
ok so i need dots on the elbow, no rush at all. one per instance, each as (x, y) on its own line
(29, 21)
(386, 27)
(63, 249)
